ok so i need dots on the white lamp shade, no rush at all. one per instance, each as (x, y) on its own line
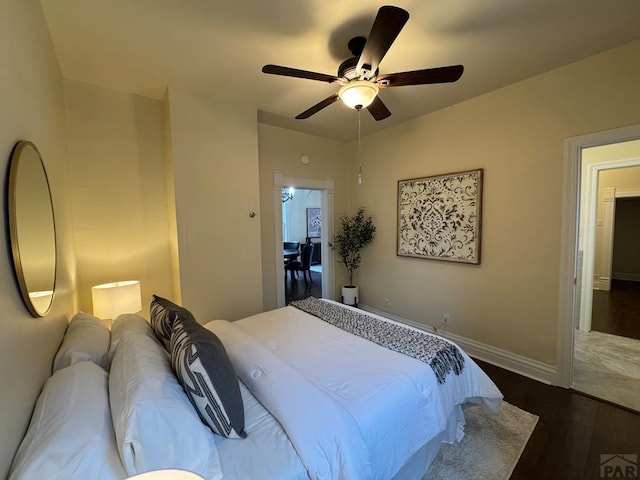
(358, 93)
(169, 474)
(112, 299)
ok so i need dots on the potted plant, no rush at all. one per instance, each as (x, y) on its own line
(357, 232)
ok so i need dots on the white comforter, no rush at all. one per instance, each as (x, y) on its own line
(352, 409)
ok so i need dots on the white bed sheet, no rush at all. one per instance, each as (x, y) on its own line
(395, 400)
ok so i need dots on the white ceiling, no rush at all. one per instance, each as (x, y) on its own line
(217, 48)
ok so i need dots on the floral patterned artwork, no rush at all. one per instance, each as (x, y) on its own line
(314, 222)
(439, 217)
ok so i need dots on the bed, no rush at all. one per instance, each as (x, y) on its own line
(313, 390)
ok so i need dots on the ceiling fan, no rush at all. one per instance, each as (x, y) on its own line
(359, 77)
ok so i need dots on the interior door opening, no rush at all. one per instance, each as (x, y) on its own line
(602, 364)
(573, 237)
(304, 220)
(302, 243)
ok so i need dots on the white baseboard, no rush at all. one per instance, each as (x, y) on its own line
(602, 283)
(542, 372)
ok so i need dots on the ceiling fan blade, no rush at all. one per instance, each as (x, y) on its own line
(317, 107)
(378, 109)
(421, 77)
(386, 27)
(294, 72)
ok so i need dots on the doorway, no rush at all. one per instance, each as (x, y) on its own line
(601, 173)
(607, 362)
(302, 233)
(300, 221)
(616, 300)
(579, 361)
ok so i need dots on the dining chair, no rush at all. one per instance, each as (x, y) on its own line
(304, 265)
(288, 246)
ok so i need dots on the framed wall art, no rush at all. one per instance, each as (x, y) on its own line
(314, 222)
(439, 217)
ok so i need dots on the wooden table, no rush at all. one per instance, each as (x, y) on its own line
(290, 255)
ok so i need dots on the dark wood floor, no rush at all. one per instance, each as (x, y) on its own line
(572, 432)
(297, 290)
(617, 311)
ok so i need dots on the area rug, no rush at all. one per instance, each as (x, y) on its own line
(491, 446)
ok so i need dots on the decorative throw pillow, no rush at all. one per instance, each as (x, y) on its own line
(163, 314)
(207, 375)
(86, 339)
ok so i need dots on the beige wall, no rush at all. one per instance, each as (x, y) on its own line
(117, 173)
(171, 200)
(280, 150)
(516, 134)
(298, 213)
(31, 95)
(214, 150)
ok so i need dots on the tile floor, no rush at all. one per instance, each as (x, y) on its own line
(608, 367)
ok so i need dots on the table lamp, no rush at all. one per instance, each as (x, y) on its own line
(112, 299)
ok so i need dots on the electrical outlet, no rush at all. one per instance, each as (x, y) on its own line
(386, 302)
(445, 319)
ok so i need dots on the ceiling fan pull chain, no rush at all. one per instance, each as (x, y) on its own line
(359, 149)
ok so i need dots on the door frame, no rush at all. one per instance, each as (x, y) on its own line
(326, 186)
(567, 299)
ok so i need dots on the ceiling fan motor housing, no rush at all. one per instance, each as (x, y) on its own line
(348, 69)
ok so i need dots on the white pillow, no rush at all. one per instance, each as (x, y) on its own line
(71, 435)
(155, 425)
(128, 323)
(86, 339)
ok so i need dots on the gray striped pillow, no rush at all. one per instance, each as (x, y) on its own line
(163, 314)
(206, 373)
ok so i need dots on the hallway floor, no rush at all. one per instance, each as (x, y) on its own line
(608, 367)
(297, 290)
(617, 311)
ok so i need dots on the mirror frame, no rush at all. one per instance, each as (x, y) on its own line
(14, 168)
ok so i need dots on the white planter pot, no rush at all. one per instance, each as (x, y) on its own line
(350, 295)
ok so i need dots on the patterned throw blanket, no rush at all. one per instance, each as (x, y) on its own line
(442, 356)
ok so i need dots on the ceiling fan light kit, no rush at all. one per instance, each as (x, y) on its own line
(358, 93)
(358, 75)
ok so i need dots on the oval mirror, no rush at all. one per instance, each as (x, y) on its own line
(32, 228)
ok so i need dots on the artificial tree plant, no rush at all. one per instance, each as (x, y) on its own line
(357, 232)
